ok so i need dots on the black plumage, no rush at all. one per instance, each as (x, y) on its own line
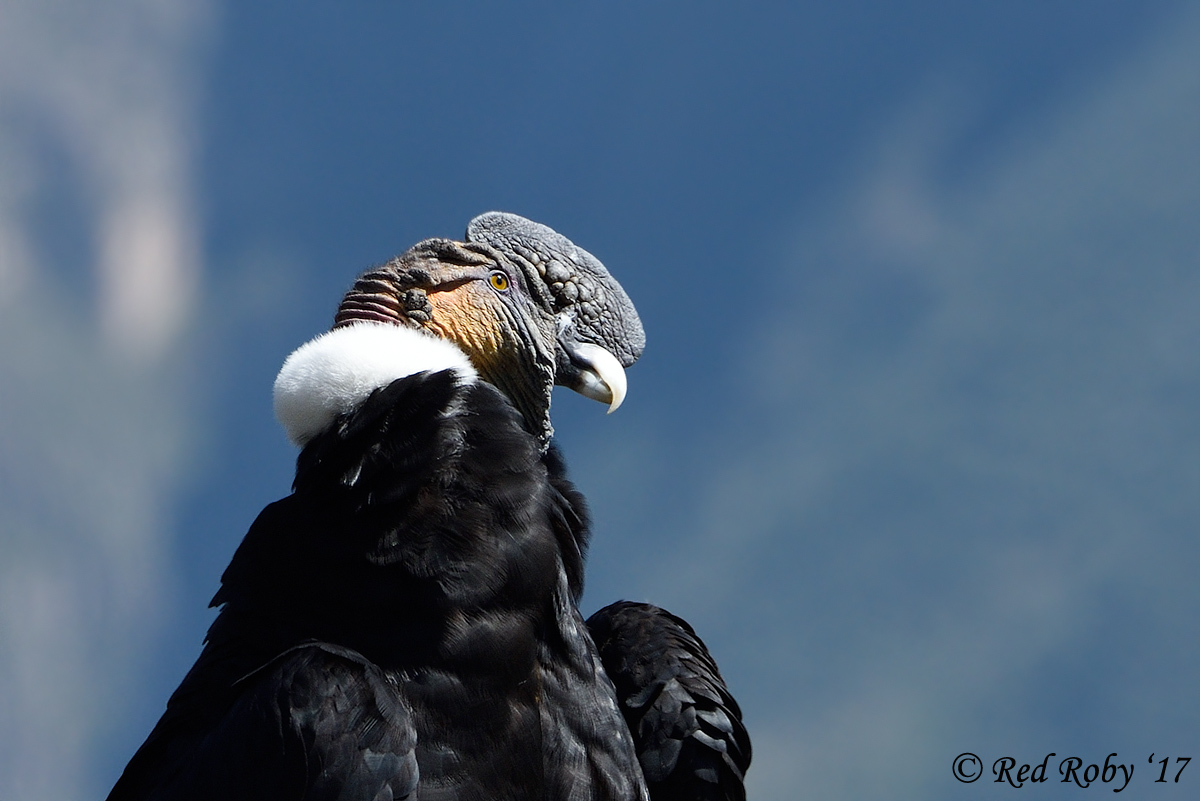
(405, 624)
(688, 728)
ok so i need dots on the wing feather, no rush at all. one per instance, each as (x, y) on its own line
(687, 728)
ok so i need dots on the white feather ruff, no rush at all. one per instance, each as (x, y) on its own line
(335, 372)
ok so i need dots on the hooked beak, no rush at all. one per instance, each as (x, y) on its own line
(594, 373)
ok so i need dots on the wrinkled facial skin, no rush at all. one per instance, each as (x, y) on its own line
(528, 307)
(468, 295)
(508, 339)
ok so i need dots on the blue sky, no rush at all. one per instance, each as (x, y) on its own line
(914, 441)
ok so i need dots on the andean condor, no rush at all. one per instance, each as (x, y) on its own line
(405, 623)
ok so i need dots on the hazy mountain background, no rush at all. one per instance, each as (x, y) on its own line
(915, 443)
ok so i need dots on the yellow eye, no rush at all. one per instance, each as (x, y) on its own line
(499, 281)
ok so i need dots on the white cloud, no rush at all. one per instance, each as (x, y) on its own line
(112, 87)
(96, 105)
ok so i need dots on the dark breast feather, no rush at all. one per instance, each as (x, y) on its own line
(426, 567)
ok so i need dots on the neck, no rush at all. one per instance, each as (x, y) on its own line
(334, 373)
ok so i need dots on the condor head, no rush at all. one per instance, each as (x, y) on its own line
(526, 306)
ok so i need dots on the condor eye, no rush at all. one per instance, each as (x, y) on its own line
(499, 281)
